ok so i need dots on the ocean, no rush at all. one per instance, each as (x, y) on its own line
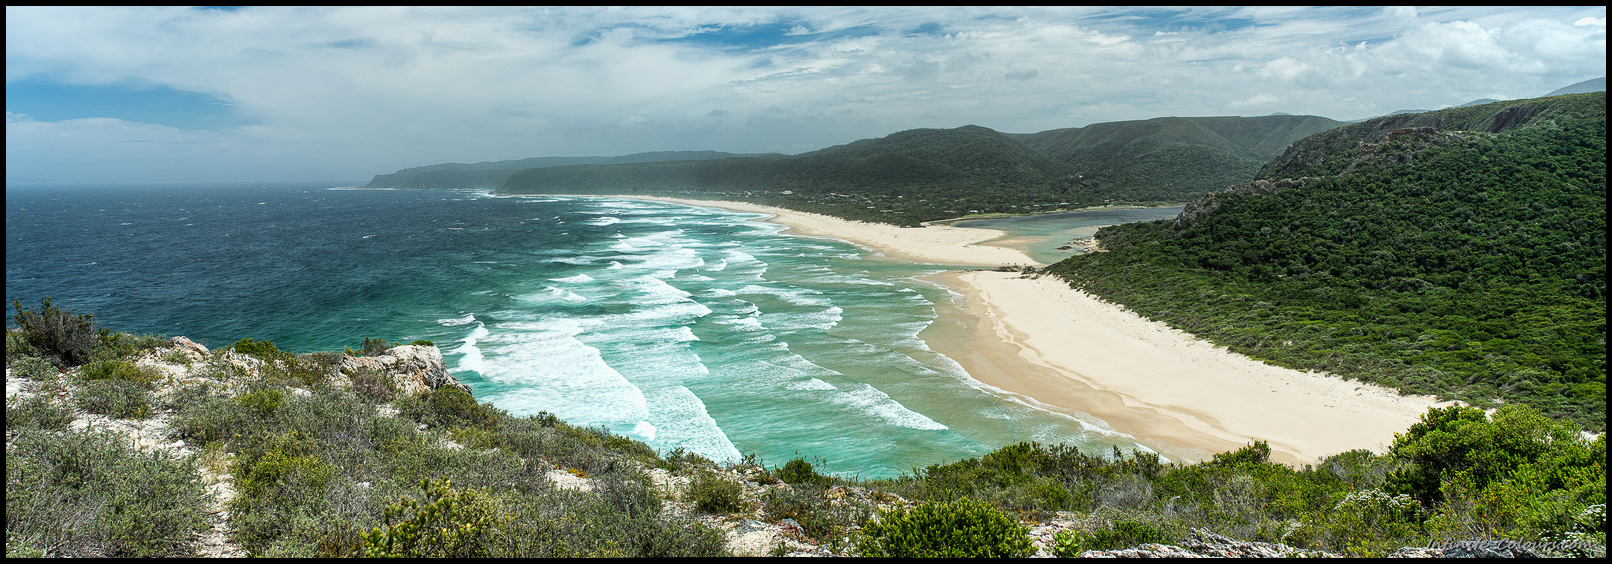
(684, 327)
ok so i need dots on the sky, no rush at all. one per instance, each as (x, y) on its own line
(113, 95)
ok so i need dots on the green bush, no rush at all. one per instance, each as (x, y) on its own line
(115, 398)
(452, 406)
(1123, 534)
(678, 459)
(262, 402)
(423, 343)
(811, 508)
(963, 528)
(81, 494)
(799, 471)
(712, 493)
(118, 370)
(17, 347)
(264, 350)
(32, 368)
(58, 334)
(452, 523)
(206, 418)
(37, 412)
(373, 384)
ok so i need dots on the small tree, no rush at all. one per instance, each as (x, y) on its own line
(62, 337)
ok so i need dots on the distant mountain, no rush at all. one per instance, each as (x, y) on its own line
(1591, 85)
(926, 174)
(904, 178)
(488, 175)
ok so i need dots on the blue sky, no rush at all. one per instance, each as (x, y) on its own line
(166, 94)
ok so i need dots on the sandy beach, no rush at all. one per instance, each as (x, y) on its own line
(1064, 350)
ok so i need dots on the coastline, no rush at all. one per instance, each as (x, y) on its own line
(939, 244)
(1062, 350)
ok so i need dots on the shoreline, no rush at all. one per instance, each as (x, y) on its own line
(938, 245)
(1062, 350)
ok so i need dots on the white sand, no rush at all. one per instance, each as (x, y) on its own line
(1162, 373)
(1063, 348)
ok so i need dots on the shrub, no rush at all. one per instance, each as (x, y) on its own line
(452, 405)
(115, 398)
(799, 471)
(423, 343)
(32, 368)
(263, 402)
(677, 459)
(712, 493)
(207, 418)
(373, 384)
(81, 494)
(811, 509)
(264, 350)
(37, 412)
(452, 523)
(58, 334)
(17, 347)
(1123, 534)
(118, 370)
(956, 529)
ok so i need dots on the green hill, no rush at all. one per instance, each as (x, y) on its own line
(1172, 158)
(923, 174)
(903, 178)
(1460, 252)
(488, 175)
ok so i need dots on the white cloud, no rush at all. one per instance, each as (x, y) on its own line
(349, 92)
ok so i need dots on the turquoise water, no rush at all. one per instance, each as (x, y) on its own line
(685, 327)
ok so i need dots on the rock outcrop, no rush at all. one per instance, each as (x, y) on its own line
(417, 369)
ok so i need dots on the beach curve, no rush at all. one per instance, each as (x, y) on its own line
(1065, 350)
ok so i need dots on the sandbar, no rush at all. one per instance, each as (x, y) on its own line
(1061, 349)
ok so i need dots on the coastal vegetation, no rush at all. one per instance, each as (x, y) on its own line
(321, 467)
(1460, 253)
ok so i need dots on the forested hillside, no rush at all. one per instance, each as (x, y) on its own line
(923, 174)
(904, 178)
(488, 175)
(1459, 252)
(1172, 158)
(927, 174)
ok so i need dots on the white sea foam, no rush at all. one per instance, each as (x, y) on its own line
(684, 421)
(473, 360)
(548, 369)
(466, 320)
(644, 430)
(880, 404)
(577, 278)
(602, 221)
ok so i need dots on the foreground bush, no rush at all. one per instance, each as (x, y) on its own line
(58, 334)
(957, 529)
(451, 523)
(85, 494)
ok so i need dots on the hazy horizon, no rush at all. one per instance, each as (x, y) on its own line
(274, 94)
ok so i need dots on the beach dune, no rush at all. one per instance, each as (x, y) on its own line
(1065, 350)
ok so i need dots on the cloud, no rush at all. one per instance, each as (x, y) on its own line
(349, 92)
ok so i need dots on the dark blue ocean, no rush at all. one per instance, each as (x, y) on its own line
(680, 326)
